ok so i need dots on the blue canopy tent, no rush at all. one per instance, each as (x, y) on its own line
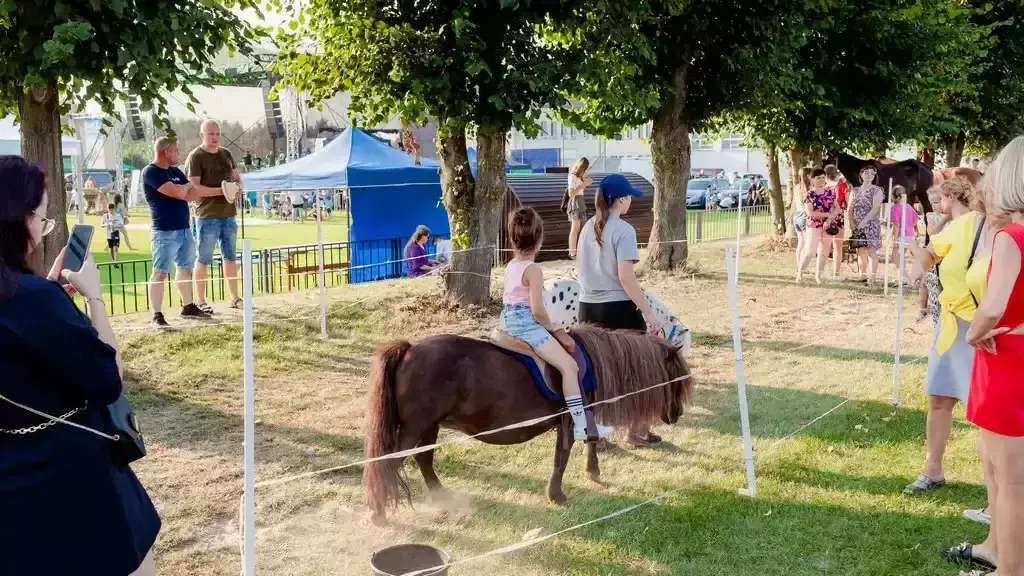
(389, 195)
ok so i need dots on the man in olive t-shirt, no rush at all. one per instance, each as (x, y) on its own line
(207, 166)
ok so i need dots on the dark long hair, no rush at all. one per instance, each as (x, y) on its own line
(21, 190)
(601, 215)
(525, 229)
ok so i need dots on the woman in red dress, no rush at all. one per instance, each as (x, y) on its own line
(996, 400)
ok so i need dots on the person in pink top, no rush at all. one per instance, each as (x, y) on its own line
(524, 317)
(903, 221)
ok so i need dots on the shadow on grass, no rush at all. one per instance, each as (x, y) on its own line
(709, 532)
(803, 349)
(189, 425)
(959, 494)
(777, 412)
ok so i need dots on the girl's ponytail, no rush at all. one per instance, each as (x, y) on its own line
(601, 217)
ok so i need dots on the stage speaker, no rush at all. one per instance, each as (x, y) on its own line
(272, 108)
(133, 116)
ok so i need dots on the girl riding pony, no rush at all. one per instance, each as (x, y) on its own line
(524, 317)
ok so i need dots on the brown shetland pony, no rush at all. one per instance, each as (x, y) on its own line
(472, 386)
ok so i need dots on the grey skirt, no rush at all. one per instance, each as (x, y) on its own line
(949, 375)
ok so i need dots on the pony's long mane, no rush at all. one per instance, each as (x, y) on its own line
(625, 361)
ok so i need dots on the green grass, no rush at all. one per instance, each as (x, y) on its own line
(828, 501)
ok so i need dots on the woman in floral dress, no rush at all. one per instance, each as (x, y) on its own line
(822, 210)
(867, 230)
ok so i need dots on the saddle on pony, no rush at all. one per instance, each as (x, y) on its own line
(547, 378)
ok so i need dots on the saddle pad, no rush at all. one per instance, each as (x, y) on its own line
(545, 387)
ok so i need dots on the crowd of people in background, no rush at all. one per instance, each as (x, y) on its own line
(972, 287)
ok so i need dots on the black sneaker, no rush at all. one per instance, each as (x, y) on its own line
(193, 311)
(159, 322)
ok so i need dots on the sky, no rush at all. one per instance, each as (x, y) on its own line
(227, 103)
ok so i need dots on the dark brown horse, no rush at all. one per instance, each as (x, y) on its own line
(472, 386)
(913, 175)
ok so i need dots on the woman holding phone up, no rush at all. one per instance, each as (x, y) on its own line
(67, 508)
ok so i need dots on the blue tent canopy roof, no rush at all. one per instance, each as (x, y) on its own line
(354, 159)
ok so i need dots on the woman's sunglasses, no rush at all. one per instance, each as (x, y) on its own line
(48, 223)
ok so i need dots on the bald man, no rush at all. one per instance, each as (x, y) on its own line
(207, 167)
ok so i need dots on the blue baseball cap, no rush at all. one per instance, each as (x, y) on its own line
(615, 186)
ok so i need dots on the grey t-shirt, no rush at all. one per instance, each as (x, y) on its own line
(598, 265)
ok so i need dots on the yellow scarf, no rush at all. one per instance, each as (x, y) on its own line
(949, 310)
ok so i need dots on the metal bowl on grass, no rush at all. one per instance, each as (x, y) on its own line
(406, 558)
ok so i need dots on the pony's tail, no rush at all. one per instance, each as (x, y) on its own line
(383, 484)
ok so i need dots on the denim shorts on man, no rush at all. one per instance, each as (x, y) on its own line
(172, 246)
(213, 231)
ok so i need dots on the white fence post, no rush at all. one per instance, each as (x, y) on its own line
(737, 340)
(320, 259)
(888, 234)
(899, 329)
(249, 444)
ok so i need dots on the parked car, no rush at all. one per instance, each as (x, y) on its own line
(697, 191)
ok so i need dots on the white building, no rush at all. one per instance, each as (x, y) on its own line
(632, 150)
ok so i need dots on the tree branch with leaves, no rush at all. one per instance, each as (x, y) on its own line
(58, 55)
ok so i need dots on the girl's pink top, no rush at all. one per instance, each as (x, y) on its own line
(906, 215)
(515, 293)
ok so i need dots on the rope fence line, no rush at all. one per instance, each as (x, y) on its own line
(462, 440)
(359, 267)
(657, 499)
(233, 321)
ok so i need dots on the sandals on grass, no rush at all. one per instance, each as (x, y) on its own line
(964, 554)
(923, 484)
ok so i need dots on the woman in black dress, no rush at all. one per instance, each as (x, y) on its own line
(65, 507)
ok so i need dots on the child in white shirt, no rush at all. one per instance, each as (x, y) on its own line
(113, 223)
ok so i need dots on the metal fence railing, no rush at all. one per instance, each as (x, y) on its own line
(710, 225)
(125, 284)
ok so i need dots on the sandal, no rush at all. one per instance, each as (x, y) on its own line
(923, 484)
(964, 554)
(236, 304)
(205, 308)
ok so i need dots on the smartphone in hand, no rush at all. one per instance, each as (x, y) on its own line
(78, 249)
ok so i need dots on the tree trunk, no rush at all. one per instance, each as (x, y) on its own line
(474, 208)
(955, 149)
(40, 144)
(670, 152)
(778, 203)
(815, 156)
(927, 156)
(795, 162)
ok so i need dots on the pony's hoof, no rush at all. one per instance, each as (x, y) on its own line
(379, 519)
(595, 476)
(558, 498)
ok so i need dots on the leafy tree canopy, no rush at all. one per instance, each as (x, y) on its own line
(103, 50)
(634, 56)
(996, 115)
(870, 74)
(475, 61)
